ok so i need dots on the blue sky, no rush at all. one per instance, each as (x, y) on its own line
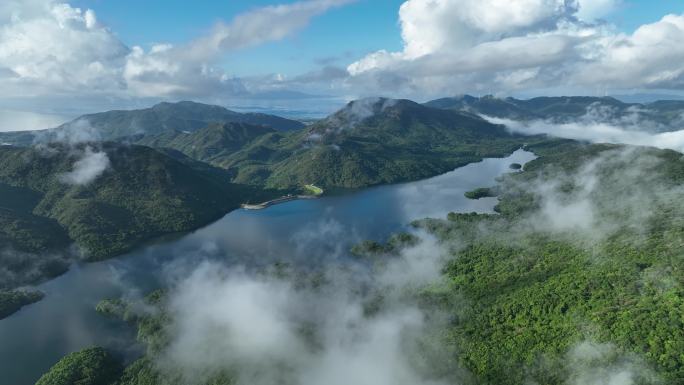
(339, 36)
(343, 34)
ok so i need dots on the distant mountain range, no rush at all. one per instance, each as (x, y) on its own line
(659, 116)
(161, 118)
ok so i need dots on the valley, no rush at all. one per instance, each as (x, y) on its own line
(501, 204)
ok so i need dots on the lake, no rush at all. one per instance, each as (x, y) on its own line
(304, 232)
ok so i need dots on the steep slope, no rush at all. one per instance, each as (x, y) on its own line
(658, 116)
(139, 194)
(163, 117)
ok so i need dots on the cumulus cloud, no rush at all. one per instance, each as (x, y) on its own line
(500, 46)
(49, 48)
(88, 168)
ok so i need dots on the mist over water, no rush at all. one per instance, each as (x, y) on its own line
(310, 233)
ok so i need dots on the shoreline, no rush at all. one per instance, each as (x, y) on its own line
(277, 201)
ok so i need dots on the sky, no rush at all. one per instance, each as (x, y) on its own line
(61, 58)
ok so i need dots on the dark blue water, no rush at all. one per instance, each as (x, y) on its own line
(308, 231)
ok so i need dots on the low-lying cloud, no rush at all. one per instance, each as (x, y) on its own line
(619, 189)
(592, 363)
(88, 168)
(596, 132)
(354, 326)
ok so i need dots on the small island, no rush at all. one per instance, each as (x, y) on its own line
(515, 166)
(482, 192)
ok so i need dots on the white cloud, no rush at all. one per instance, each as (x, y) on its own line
(653, 56)
(457, 46)
(262, 25)
(53, 47)
(270, 330)
(597, 132)
(49, 49)
(432, 25)
(88, 168)
(591, 363)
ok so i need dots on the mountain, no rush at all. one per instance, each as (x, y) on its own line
(368, 142)
(161, 118)
(140, 193)
(375, 141)
(659, 116)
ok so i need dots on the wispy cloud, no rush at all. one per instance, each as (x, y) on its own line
(88, 168)
(597, 132)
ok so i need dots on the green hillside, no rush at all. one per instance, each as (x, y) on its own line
(538, 296)
(142, 194)
(94, 366)
(212, 143)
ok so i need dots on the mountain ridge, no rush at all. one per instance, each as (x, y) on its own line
(162, 117)
(657, 116)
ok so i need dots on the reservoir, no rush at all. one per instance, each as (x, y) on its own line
(307, 232)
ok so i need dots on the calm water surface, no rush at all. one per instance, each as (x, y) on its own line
(308, 231)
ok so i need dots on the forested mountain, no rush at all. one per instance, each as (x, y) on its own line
(368, 142)
(659, 116)
(103, 198)
(107, 197)
(375, 141)
(211, 143)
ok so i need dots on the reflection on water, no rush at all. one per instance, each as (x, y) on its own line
(307, 231)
